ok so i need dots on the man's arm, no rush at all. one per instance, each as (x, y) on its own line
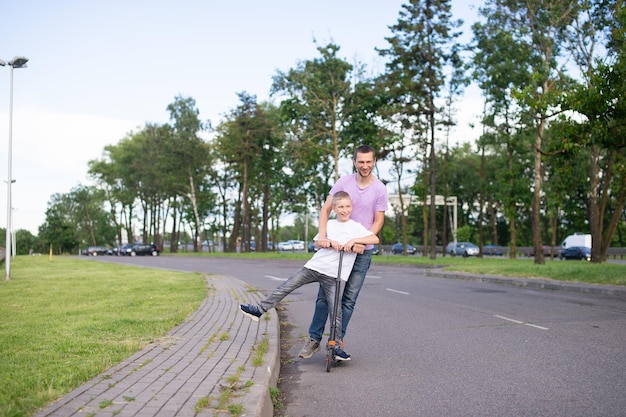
(352, 244)
(379, 220)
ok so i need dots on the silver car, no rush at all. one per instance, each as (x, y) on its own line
(463, 249)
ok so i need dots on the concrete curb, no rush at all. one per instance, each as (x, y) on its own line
(533, 283)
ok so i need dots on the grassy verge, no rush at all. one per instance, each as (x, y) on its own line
(576, 271)
(64, 321)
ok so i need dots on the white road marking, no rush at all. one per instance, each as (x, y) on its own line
(273, 278)
(521, 322)
(374, 276)
(399, 292)
(535, 326)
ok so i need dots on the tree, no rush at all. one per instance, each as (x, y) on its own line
(77, 219)
(539, 28)
(600, 132)
(189, 161)
(249, 142)
(424, 64)
(315, 111)
(499, 66)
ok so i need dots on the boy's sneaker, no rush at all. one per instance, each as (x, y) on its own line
(341, 355)
(310, 347)
(251, 311)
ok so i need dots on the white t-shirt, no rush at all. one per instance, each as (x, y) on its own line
(326, 261)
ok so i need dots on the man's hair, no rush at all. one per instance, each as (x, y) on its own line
(364, 149)
(339, 195)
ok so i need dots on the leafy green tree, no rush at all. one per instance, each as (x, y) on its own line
(188, 163)
(58, 231)
(249, 143)
(499, 66)
(116, 174)
(93, 223)
(315, 109)
(540, 27)
(424, 66)
(600, 133)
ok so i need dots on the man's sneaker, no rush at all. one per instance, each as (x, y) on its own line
(310, 347)
(251, 311)
(341, 355)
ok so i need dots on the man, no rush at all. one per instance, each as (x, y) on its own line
(369, 201)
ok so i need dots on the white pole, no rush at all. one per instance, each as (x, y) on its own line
(17, 62)
(7, 250)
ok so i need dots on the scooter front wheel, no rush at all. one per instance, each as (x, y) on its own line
(330, 357)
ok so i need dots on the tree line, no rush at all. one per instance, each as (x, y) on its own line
(549, 160)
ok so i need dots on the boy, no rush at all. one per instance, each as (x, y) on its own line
(342, 233)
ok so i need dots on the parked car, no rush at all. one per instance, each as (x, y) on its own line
(282, 246)
(123, 250)
(399, 248)
(376, 250)
(576, 252)
(139, 249)
(463, 249)
(95, 251)
(297, 244)
(547, 251)
(493, 250)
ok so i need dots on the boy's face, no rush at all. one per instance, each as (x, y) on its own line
(343, 208)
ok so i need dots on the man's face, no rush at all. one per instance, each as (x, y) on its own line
(343, 208)
(364, 163)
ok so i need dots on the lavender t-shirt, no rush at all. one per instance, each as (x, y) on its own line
(365, 201)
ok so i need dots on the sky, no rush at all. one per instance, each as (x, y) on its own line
(98, 71)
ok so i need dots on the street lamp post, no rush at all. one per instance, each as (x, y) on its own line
(17, 62)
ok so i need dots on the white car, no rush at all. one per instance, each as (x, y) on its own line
(285, 246)
(297, 244)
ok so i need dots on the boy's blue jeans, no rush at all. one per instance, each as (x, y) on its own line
(348, 301)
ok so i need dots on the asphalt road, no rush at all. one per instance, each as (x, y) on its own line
(426, 346)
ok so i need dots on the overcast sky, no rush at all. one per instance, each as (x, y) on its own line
(99, 70)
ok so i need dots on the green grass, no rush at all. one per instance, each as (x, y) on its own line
(63, 321)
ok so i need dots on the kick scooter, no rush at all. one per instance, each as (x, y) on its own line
(331, 346)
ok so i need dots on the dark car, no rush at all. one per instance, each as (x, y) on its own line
(493, 250)
(123, 250)
(95, 251)
(576, 252)
(139, 249)
(399, 248)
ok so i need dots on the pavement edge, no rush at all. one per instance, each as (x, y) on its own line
(533, 283)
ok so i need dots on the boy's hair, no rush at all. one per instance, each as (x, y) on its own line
(364, 149)
(339, 195)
